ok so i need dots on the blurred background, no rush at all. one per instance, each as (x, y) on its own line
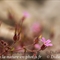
(46, 12)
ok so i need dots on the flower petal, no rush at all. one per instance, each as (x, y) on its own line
(48, 41)
(48, 44)
(26, 14)
(37, 46)
(43, 40)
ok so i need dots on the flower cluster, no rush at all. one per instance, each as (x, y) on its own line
(35, 45)
(19, 37)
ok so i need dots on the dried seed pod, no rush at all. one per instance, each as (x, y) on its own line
(36, 40)
(43, 47)
(15, 37)
(3, 43)
(17, 32)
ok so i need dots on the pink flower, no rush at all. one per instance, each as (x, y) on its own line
(26, 14)
(46, 42)
(35, 27)
(37, 46)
